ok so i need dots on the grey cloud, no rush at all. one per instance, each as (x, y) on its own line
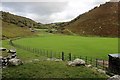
(48, 12)
(40, 9)
(33, 0)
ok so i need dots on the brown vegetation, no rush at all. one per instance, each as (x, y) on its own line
(100, 21)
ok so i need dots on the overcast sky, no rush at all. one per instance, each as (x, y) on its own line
(49, 11)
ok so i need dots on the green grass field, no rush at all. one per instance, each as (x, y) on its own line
(44, 69)
(96, 47)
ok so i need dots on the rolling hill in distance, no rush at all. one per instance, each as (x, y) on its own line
(100, 21)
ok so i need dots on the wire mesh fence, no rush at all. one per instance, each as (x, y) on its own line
(95, 62)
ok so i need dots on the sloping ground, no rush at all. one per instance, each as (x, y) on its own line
(16, 26)
(11, 30)
(17, 20)
(20, 21)
(100, 21)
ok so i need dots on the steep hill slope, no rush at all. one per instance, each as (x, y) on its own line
(16, 26)
(100, 21)
(17, 20)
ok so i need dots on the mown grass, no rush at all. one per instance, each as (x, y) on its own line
(96, 47)
(22, 54)
(44, 69)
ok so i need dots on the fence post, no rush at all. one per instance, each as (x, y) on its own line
(69, 56)
(41, 52)
(55, 54)
(74, 56)
(44, 52)
(96, 62)
(38, 51)
(59, 55)
(47, 53)
(51, 55)
(103, 64)
(91, 61)
(86, 59)
(80, 57)
(35, 50)
(63, 56)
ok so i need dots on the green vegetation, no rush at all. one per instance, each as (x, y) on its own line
(22, 54)
(17, 26)
(10, 30)
(95, 22)
(48, 69)
(45, 69)
(96, 47)
(17, 20)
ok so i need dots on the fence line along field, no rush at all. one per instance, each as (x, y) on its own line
(96, 47)
(37, 66)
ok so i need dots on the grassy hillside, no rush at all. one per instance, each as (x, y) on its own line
(16, 26)
(100, 21)
(10, 30)
(17, 20)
